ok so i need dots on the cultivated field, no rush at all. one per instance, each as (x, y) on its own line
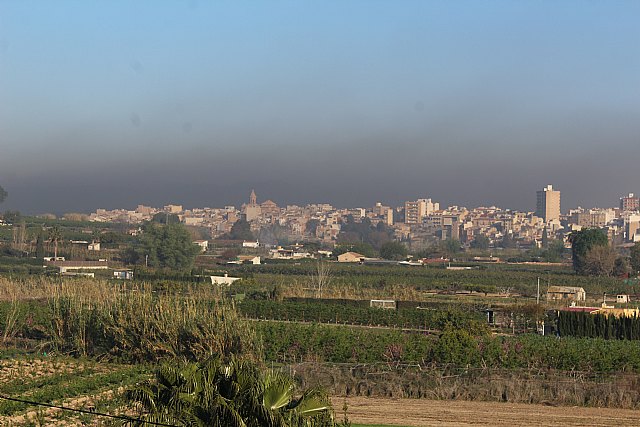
(72, 383)
(419, 412)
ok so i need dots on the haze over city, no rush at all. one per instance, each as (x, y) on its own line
(112, 104)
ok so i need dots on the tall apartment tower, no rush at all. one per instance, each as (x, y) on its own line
(630, 203)
(414, 212)
(548, 204)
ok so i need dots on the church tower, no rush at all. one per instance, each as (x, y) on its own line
(252, 211)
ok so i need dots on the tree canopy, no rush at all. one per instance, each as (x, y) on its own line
(480, 242)
(241, 230)
(352, 232)
(165, 218)
(581, 243)
(168, 246)
(3, 194)
(393, 250)
(635, 258)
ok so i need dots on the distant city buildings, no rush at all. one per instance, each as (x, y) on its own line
(629, 203)
(548, 204)
(419, 224)
(415, 212)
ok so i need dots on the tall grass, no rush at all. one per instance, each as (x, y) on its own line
(134, 322)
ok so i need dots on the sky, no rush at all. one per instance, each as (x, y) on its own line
(111, 104)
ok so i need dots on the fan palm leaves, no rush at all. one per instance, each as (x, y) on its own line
(235, 394)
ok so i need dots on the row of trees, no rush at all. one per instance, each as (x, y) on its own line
(585, 325)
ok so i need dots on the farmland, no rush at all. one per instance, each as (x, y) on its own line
(64, 381)
(97, 337)
(419, 413)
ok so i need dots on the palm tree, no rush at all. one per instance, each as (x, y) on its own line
(54, 236)
(235, 394)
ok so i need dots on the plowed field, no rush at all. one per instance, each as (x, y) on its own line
(418, 412)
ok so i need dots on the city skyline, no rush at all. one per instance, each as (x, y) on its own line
(115, 104)
(421, 206)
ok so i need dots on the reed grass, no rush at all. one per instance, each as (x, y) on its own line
(134, 322)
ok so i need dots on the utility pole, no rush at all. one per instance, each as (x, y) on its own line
(538, 294)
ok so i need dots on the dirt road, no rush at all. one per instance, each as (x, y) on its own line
(418, 412)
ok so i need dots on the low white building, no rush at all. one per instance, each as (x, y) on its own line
(223, 280)
(66, 266)
(204, 244)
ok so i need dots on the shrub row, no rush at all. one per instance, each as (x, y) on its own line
(286, 342)
(426, 319)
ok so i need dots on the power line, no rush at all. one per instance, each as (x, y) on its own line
(83, 411)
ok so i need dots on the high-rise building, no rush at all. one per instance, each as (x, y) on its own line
(415, 212)
(548, 204)
(629, 203)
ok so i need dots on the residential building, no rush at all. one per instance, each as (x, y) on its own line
(566, 293)
(629, 203)
(414, 212)
(548, 204)
(350, 257)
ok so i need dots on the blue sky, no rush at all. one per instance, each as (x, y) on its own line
(114, 103)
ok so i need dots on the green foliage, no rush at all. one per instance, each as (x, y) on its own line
(40, 253)
(324, 312)
(635, 258)
(480, 242)
(241, 230)
(450, 247)
(621, 267)
(87, 379)
(457, 347)
(508, 241)
(12, 217)
(111, 239)
(311, 226)
(295, 342)
(553, 250)
(581, 243)
(600, 261)
(290, 342)
(578, 324)
(55, 235)
(235, 393)
(168, 246)
(353, 232)
(394, 251)
(367, 281)
(165, 218)
(138, 325)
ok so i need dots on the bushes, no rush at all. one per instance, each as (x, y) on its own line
(338, 344)
(357, 315)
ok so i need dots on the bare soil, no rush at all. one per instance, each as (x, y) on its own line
(422, 412)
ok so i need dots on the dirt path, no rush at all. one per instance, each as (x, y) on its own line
(418, 413)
